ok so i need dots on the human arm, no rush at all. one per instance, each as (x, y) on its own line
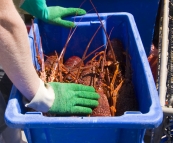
(53, 14)
(15, 55)
(15, 58)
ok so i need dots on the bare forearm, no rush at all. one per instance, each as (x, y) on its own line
(15, 55)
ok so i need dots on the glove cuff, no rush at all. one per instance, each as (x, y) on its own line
(44, 98)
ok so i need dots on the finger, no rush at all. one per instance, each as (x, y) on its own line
(78, 110)
(65, 23)
(73, 11)
(81, 87)
(86, 103)
(87, 95)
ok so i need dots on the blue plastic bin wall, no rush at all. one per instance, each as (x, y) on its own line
(144, 12)
(130, 127)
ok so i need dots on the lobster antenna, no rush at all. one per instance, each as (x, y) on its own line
(109, 42)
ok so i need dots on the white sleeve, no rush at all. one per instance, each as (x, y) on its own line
(43, 99)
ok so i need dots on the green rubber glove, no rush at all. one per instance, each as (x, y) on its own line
(53, 15)
(64, 98)
(73, 99)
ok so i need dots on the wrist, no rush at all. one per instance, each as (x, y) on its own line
(44, 98)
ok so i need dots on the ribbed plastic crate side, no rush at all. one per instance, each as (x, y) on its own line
(150, 94)
(106, 135)
(34, 42)
(86, 27)
(144, 83)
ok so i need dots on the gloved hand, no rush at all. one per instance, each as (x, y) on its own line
(54, 14)
(64, 98)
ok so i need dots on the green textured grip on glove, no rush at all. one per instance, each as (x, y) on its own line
(73, 99)
(53, 14)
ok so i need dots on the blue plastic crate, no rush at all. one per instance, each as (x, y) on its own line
(144, 12)
(128, 128)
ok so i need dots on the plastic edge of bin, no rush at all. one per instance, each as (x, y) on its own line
(154, 94)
